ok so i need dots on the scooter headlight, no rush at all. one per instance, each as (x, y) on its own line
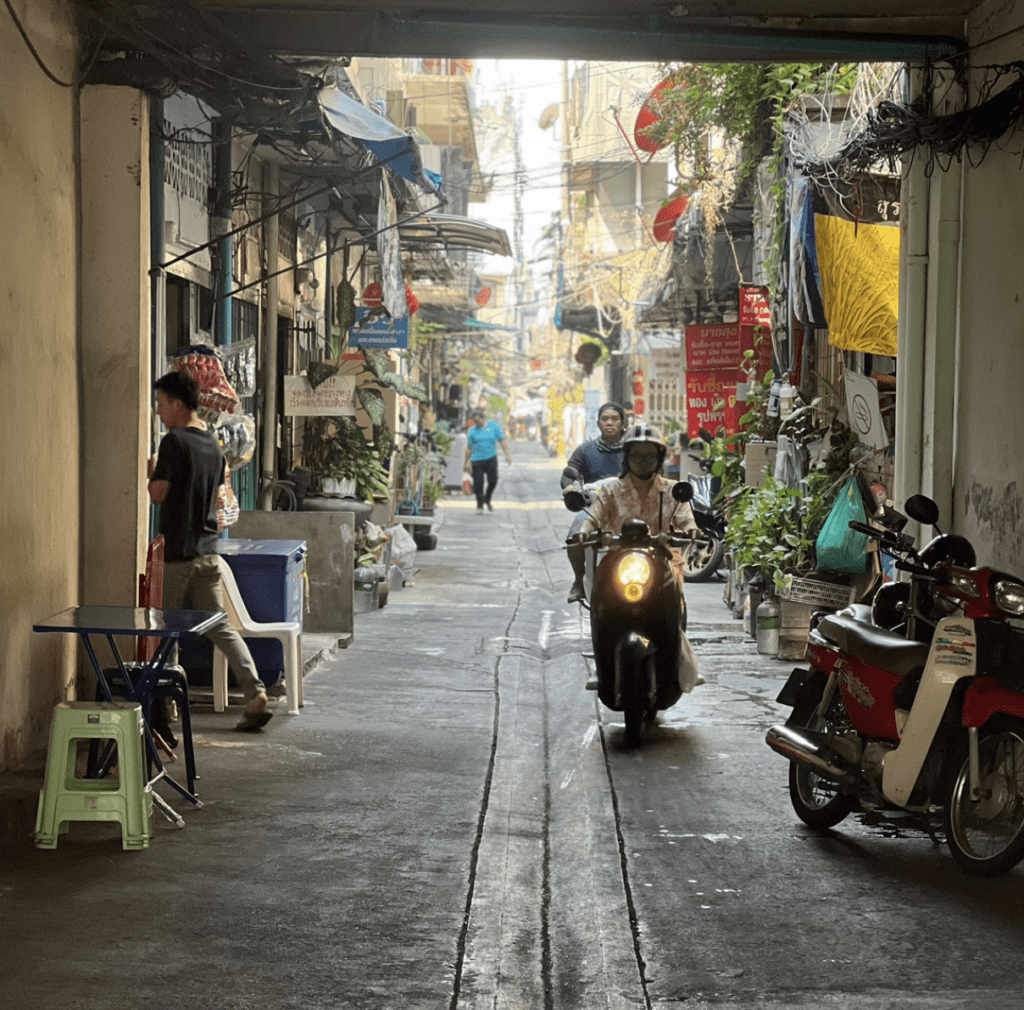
(962, 583)
(1009, 596)
(633, 573)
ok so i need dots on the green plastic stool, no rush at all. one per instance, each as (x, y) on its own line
(65, 798)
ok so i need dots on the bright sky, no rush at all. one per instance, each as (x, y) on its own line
(533, 85)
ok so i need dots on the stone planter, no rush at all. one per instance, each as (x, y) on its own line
(794, 624)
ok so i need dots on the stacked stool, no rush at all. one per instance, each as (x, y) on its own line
(65, 798)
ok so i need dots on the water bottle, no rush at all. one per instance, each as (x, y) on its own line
(787, 394)
(773, 398)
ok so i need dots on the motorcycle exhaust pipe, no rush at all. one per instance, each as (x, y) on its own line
(800, 746)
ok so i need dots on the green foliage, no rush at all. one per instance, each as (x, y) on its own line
(773, 528)
(444, 440)
(432, 491)
(336, 447)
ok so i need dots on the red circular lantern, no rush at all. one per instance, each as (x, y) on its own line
(665, 221)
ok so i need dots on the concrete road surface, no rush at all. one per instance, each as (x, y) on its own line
(454, 822)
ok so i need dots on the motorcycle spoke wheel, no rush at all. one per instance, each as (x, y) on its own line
(702, 559)
(986, 836)
(817, 800)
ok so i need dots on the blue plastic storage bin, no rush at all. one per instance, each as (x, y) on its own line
(269, 577)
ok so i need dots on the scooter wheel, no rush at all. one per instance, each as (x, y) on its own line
(703, 558)
(986, 835)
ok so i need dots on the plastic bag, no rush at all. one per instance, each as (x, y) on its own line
(227, 504)
(689, 672)
(203, 364)
(403, 549)
(840, 549)
(467, 482)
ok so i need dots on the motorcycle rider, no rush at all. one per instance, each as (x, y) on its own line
(641, 492)
(594, 460)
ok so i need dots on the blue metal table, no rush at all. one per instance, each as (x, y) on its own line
(169, 626)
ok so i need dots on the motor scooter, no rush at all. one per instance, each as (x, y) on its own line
(921, 726)
(637, 619)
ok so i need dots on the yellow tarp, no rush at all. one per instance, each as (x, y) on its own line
(859, 283)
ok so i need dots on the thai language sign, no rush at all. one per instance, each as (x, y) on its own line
(332, 397)
(711, 402)
(383, 331)
(714, 346)
(667, 364)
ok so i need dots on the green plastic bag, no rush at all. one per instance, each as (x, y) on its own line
(840, 549)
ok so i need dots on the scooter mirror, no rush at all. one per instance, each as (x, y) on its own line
(706, 436)
(573, 501)
(922, 509)
(682, 491)
(571, 473)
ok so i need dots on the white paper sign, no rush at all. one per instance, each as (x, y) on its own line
(864, 417)
(332, 397)
(667, 363)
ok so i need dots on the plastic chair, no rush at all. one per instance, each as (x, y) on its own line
(288, 633)
(65, 798)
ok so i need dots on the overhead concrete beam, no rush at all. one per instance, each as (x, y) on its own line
(495, 34)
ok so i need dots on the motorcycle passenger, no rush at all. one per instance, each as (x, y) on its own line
(594, 460)
(641, 492)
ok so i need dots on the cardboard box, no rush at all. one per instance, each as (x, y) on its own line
(760, 460)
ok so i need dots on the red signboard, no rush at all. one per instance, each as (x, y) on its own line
(712, 347)
(706, 391)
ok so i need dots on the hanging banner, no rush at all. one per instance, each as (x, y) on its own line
(711, 402)
(332, 397)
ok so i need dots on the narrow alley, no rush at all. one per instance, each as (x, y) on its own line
(452, 823)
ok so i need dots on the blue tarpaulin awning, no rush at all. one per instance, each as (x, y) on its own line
(385, 141)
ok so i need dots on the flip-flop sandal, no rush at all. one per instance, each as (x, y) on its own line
(252, 722)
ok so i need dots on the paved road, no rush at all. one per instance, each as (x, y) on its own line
(679, 874)
(453, 823)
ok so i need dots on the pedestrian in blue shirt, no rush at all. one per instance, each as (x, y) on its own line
(482, 441)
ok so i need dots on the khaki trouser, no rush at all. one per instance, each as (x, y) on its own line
(198, 582)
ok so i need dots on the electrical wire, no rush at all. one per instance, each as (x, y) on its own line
(32, 49)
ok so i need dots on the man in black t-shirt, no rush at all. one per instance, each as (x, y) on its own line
(184, 480)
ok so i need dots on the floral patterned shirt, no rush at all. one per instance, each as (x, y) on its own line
(619, 500)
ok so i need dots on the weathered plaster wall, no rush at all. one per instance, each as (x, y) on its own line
(989, 475)
(39, 474)
(115, 341)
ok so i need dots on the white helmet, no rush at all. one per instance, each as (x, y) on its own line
(642, 433)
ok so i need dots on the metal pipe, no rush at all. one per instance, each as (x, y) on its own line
(913, 285)
(942, 364)
(223, 323)
(268, 414)
(799, 747)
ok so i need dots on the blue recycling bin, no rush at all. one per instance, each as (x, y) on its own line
(269, 576)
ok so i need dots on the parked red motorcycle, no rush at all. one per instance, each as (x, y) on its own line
(922, 722)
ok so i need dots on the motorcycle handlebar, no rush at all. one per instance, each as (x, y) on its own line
(602, 538)
(917, 570)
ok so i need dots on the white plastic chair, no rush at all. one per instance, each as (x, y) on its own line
(286, 632)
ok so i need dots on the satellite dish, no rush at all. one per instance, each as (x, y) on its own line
(548, 116)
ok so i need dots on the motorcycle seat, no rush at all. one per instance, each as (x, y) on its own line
(877, 646)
